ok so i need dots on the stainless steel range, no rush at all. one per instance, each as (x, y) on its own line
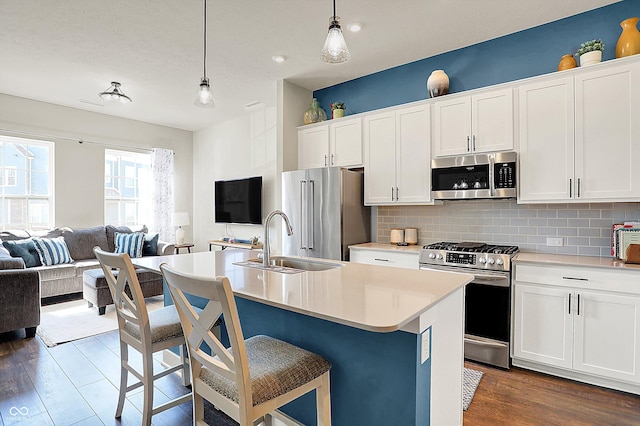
(487, 297)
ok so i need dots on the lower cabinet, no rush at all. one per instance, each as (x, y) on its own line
(590, 325)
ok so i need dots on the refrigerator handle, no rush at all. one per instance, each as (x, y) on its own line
(310, 224)
(303, 191)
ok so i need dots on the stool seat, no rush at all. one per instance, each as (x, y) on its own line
(95, 289)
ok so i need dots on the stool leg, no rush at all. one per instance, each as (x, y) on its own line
(124, 360)
(147, 386)
(186, 368)
(323, 401)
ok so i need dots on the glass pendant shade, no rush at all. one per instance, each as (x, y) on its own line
(114, 94)
(335, 50)
(204, 97)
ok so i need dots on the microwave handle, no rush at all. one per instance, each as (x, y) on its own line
(492, 182)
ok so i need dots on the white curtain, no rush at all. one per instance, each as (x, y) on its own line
(162, 202)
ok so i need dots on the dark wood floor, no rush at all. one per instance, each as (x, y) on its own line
(76, 384)
(519, 397)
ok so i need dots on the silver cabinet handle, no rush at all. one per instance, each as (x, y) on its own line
(381, 260)
(397, 194)
(325, 160)
(578, 303)
(569, 303)
(474, 143)
(333, 159)
(576, 279)
(392, 199)
(578, 187)
(468, 145)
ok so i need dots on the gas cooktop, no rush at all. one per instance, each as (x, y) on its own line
(468, 255)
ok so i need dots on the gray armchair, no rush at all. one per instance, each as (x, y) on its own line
(19, 300)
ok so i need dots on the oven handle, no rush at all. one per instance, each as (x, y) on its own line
(497, 281)
(484, 343)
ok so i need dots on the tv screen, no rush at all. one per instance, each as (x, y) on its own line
(239, 201)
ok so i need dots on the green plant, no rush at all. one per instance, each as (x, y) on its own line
(590, 46)
(338, 105)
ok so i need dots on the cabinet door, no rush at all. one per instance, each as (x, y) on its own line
(492, 121)
(313, 147)
(346, 143)
(393, 258)
(413, 155)
(379, 159)
(607, 335)
(608, 133)
(546, 141)
(452, 126)
(543, 325)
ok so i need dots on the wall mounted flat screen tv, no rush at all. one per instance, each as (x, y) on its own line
(238, 201)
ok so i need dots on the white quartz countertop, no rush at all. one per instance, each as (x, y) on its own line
(569, 260)
(415, 248)
(373, 298)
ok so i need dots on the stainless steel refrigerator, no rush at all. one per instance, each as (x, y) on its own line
(326, 209)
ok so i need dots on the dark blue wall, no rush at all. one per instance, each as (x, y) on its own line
(520, 55)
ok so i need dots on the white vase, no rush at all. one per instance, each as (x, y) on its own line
(438, 84)
(590, 58)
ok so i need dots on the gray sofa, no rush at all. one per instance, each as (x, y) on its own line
(67, 278)
(22, 286)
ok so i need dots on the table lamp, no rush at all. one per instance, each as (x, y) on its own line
(180, 219)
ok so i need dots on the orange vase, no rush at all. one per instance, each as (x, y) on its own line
(629, 41)
(567, 62)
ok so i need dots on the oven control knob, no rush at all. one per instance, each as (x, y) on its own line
(490, 261)
(432, 255)
(439, 256)
(499, 261)
(482, 260)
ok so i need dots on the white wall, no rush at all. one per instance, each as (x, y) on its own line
(79, 168)
(237, 148)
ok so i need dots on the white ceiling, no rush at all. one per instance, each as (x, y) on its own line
(65, 52)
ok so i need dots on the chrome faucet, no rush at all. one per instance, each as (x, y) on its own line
(266, 257)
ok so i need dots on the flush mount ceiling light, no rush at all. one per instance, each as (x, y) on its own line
(204, 97)
(114, 94)
(354, 27)
(335, 49)
(279, 58)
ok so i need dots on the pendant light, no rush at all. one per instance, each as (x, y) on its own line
(335, 50)
(114, 94)
(204, 98)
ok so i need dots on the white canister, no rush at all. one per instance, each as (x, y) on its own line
(411, 235)
(396, 236)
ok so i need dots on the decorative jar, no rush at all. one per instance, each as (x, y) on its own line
(567, 62)
(629, 41)
(438, 83)
(314, 114)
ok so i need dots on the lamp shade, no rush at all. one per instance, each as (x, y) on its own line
(180, 219)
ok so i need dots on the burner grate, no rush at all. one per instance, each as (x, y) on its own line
(472, 247)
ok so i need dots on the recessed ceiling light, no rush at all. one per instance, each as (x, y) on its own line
(279, 58)
(354, 27)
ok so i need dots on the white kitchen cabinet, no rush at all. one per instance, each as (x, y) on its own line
(584, 321)
(394, 258)
(335, 143)
(472, 124)
(397, 156)
(579, 137)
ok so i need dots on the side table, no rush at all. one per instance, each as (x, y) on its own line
(183, 246)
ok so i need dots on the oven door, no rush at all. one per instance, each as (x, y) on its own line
(487, 323)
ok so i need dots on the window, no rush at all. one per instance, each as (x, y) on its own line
(127, 188)
(26, 183)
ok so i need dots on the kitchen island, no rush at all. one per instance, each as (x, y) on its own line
(394, 336)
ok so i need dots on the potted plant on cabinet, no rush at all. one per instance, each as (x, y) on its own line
(590, 52)
(337, 109)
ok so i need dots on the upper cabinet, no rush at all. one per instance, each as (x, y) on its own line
(471, 124)
(397, 156)
(579, 136)
(334, 143)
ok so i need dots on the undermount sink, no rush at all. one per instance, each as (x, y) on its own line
(290, 265)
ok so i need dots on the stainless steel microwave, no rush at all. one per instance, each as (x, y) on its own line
(475, 176)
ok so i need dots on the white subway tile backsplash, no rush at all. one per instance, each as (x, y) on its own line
(585, 228)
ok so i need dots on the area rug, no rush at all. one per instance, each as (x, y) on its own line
(470, 381)
(69, 321)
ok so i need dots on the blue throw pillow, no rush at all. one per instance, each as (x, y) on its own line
(25, 249)
(52, 251)
(129, 243)
(150, 247)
